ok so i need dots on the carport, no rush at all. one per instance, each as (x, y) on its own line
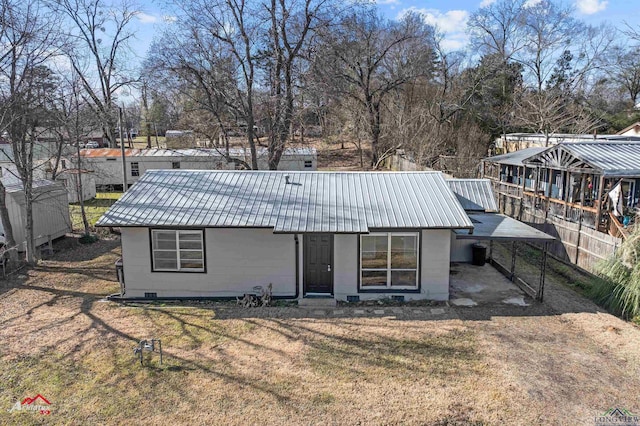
(511, 235)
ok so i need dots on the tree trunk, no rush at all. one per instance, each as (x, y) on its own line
(31, 246)
(374, 124)
(145, 106)
(80, 191)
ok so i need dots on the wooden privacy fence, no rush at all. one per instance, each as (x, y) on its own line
(578, 242)
(450, 165)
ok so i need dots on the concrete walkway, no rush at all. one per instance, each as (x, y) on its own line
(472, 285)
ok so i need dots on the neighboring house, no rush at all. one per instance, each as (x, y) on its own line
(346, 235)
(573, 181)
(107, 163)
(517, 141)
(50, 210)
(633, 130)
(70, 179)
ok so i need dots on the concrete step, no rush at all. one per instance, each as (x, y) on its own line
(314, 302)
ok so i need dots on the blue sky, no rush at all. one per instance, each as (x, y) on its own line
(449, 15)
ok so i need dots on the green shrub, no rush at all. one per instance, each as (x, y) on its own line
(618, 288)
(88, 239)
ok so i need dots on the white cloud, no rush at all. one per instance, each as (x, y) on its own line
(451, 21)
(452, 44)
(169, 19)
(485, 3)
(452, 24)
(387, 1)
(589, 7)
(145, 18)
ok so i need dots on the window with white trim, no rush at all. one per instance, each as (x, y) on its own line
(177, 250)
(389, 260)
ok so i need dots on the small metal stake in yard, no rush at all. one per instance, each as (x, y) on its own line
(149, 346)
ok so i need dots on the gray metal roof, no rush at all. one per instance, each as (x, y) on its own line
(493, 226)
(611, 158)
(474, 194)
(515, 158)
(338, 202)
(14, 184)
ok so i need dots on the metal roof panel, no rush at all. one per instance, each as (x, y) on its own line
(340, 202)
(474, 194)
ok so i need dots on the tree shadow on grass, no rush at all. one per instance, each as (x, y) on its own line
(86, 252)
(101, 335)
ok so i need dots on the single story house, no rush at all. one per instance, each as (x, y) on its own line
(346, 235)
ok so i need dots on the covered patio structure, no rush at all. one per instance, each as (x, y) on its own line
(506, 237)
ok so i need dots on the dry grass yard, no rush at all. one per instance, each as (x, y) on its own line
(562, 362)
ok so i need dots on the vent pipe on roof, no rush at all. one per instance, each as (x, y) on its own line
(286, 179)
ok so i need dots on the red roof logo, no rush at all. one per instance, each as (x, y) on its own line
(36, 404)
(29, 401)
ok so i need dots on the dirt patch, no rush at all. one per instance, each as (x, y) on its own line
(561, 362)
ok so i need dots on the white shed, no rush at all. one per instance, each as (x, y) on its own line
(70, 180)
(50, 210)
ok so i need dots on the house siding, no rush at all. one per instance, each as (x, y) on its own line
(434, 268)
(236, 261)
(461, 250)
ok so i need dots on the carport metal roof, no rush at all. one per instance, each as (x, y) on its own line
(498, 227)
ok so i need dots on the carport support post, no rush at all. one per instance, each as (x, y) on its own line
(513, 260)
(543, 272)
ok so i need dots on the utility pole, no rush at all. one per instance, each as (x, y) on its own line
(124, 161)
(156, 130)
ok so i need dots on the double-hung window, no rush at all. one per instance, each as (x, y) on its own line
(177, 250)
(135, 169)
(389, 260)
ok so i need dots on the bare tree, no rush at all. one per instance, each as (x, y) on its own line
(291, 24)
(233, 26)
(77, 121)
(367, 57)
(549, 43)
(625, 71)
(201, 72)
(497, 29)
(30, 40)
(100, 32)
